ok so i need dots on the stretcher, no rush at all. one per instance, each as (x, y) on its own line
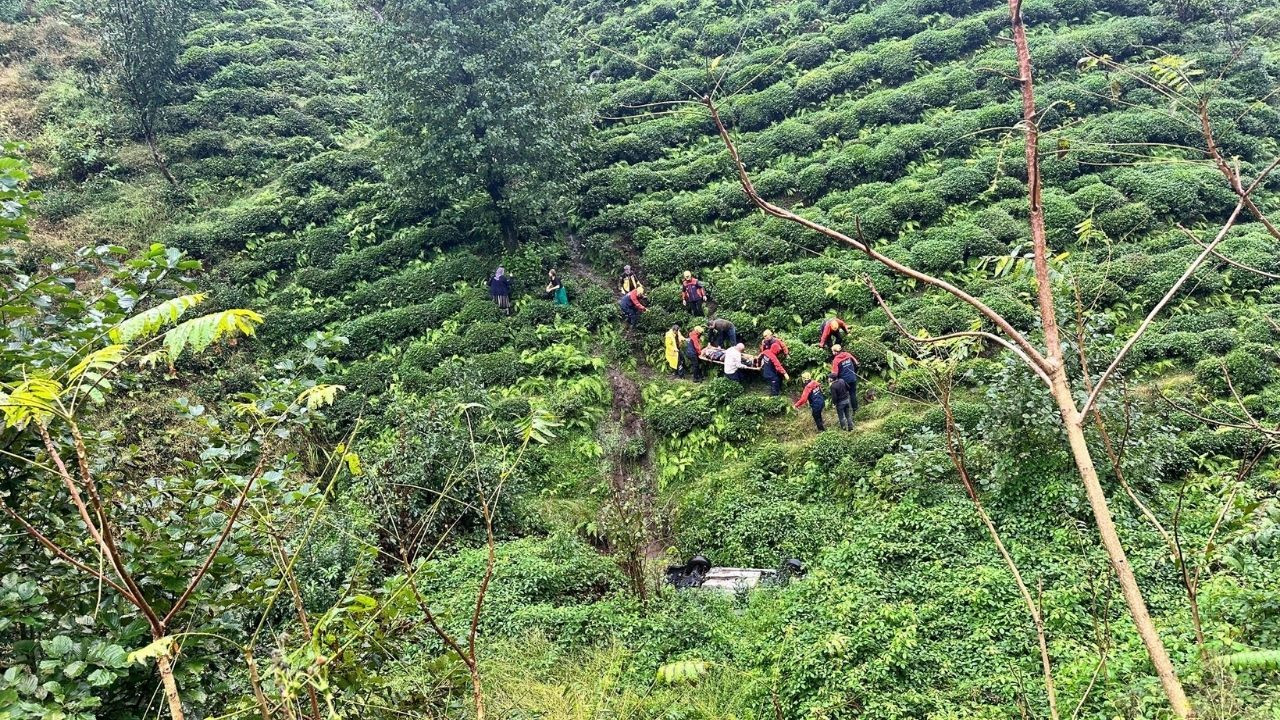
(749, 362)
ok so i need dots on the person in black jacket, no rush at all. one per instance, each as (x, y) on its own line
(842, 396)
(500, 290)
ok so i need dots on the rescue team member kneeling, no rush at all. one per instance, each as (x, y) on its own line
(631, 306)
(845, 365)
(813, 395)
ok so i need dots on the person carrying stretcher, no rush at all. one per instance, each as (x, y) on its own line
(813, 395)
(845, 364)
(772, 371)
(693, 352)
(771, 341)
(833, 330)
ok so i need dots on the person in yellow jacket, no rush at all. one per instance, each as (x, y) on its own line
(672, 342)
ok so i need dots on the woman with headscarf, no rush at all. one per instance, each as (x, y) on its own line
(555, 289)
(500, 290)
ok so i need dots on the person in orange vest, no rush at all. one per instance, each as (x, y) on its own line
(693, 352)
(632, 306)
(771, 341)
(813, 395)
(692, 294)
(845, 364)
(772, 371)
(833, 330)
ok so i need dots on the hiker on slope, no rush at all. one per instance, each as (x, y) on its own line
(500, 290)
(845, 365)
(842, 396)
(632, 306)
(692, 294)
(813, 395)
(629, 280)
(834, 330)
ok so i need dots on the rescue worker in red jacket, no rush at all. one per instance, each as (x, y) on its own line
(813, 395)
(772, 371)
(773, 341)
(692, 294)
(632, 306)
(833, 330)
(693, 352)
(845, 364)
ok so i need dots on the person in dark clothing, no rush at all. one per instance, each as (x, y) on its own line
(555, 289)
(693, 352)
(692, 294)
(500, 290)
(813, 395)
(632, 306)
(723, 333)
(845, 364)
(842, 396)
(772, 371)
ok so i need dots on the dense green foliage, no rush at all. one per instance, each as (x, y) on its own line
(327, 186)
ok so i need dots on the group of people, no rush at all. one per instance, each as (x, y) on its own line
(500, 289)
(717, 342)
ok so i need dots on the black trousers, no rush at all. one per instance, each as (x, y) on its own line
(816, 409)
(844, 411)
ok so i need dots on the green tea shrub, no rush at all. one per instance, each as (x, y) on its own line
(1130, 219)
(370, 332)
(914, 382)
(678, 419)
(759, 110)
(961, 184)
(868, 447)
(871, 353)
(897, 62)
(478, 310)
(1006, 302)
(668, 256)
(483, 337)
(804, 294)
(198, 64)
(936, 254)
(335, 168)
(720, 390)
(829, 448)
(497, 369)
(1097, 197)
(695, 208)
(812, 51)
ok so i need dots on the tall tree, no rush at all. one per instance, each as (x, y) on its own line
(480, 98)
(143, 39)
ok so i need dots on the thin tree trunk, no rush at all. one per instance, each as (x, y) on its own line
(256, 682)
(149, 133)
(1115, 551)
(477, 690)
(171, 695)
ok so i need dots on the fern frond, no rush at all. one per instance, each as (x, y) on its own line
(35, 398)
(98, 361)
(199, 333)
(318, 396)
(1254, 660)
(146, 323)
(682, 671)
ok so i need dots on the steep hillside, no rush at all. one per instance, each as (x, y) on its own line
(898, 119)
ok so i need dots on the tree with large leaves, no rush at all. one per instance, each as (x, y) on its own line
(480, 99)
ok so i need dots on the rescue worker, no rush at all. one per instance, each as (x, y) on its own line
(813, 395)
(632, 306)
(671, 343)
(693, 352)
(629, 280)
(500, 290)
(842, 396)
(771, 341)
(845, 364)
(723, 333)
(833, 330)
(692, 294)
(555, 289)
(733, 362)
(772, 371)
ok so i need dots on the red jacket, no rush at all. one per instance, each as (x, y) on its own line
(774, 342)
(841, 357)
(695, 337)
(691, 289)
(772, 356)
(808, 390)
(829, 327)
(634, 295)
